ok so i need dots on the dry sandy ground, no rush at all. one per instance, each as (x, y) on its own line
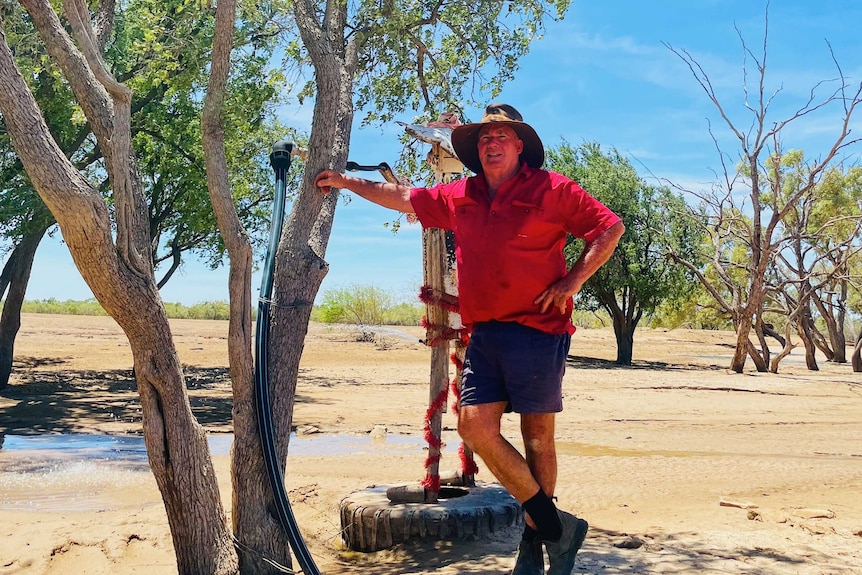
(713, 472)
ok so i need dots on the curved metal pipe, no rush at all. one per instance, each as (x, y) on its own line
(280, 161)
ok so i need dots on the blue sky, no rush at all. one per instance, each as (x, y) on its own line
(603, 74)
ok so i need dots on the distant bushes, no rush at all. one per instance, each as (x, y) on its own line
(205, 310)
(66, 307)
(366, 305)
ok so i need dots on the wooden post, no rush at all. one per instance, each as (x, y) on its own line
(434, 256)
(440, 275)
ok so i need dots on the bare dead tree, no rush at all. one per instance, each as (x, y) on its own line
(746, 208)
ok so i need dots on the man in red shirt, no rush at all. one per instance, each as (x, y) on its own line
(510, 223)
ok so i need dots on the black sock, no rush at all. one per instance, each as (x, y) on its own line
(544, 514)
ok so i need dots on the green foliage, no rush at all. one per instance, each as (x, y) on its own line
(204, 310)
(434, 56)
(640, 275)
(365, 305)
(66, 307)
(161, 50)
(699, 311)
(404, 314)
(219, 310)
(591, 319)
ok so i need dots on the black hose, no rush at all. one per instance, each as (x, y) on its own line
(280, 161)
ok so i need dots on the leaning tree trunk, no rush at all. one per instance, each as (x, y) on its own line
(120, 274)
(835, 330)
(16, 275)
(299, 265)
(856, 358)
(803, 329)
(740, 352)
(262, 540)
(786, 345)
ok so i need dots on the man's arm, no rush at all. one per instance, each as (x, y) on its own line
(595, 254)
(386, 194)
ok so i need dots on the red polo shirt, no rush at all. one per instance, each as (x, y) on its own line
(510, 250)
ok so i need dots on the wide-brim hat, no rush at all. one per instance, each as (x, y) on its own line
(465, 139)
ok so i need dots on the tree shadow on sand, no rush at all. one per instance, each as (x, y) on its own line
(582, 362)
(680, 553)
(74, 401)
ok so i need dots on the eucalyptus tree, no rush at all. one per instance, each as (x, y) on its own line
(24, 218)
(388, 58)
(161, 50)
(812, 272)
(836, 232)
(745, 208)
(640, 275)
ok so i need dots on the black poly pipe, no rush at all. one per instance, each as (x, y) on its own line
(280, 161)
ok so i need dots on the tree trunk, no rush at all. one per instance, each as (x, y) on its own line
(177, 446)
(740, 353)
(16, 274)
(261, 537)
(787, 345)
(840, 338)
(120, 274)
(625, 344)
(769, 330)
(299, 264)
(759, 359)
(856, 358)
(623, 331)
(764, 353)
(625, 320)
(803, 329)
(835, 331)
(816, 337)
(300, 267)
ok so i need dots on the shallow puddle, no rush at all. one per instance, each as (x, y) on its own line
(84, 472)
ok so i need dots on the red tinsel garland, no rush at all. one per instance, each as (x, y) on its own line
(429, 296)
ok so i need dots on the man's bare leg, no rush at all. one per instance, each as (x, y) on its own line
(537, 431)
(479, 427)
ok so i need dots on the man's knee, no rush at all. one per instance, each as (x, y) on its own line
(477, 426)
(470, 432)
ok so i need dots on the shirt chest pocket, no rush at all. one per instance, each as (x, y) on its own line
(467, 214)
(530, 222)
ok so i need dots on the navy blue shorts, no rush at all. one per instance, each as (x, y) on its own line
(507, 361)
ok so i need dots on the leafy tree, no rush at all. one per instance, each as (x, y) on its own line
(24, 218)
(364, 305)
(165, 64)
(639, 276)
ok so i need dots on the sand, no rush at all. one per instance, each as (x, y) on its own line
(679, 465)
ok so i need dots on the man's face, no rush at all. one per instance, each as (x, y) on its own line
(499, 148)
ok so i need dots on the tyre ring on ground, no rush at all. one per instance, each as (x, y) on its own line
(370, 522)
